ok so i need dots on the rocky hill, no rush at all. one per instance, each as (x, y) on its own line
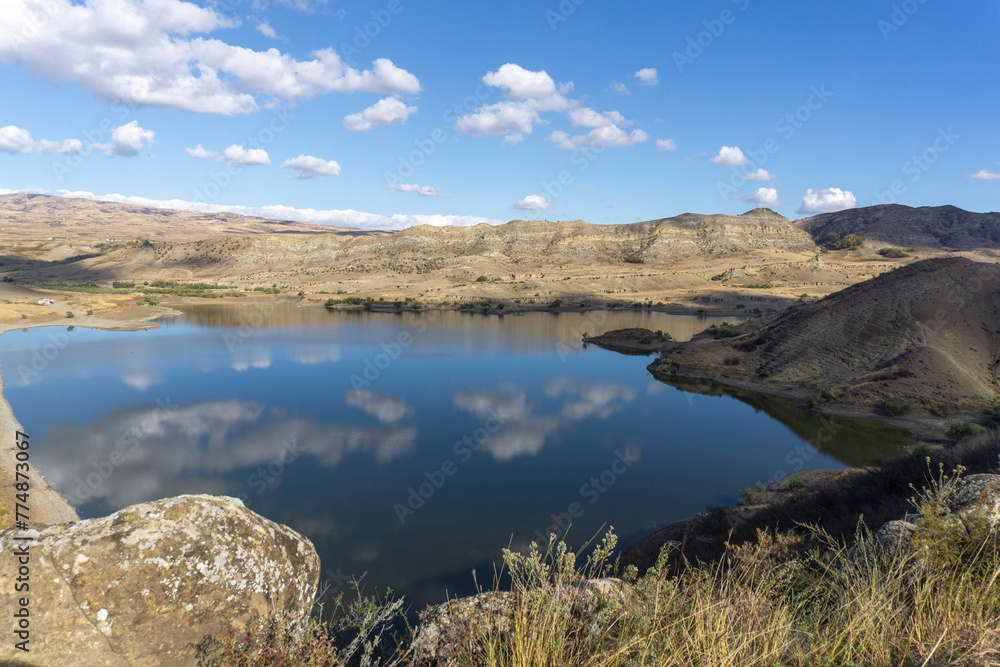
(927, 333)
(896, 225)
(30, 216)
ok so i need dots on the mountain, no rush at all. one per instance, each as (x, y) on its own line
(896, 225)
(30, 216)
(926, 333)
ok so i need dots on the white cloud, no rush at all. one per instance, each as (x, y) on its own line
(666, 145)
(158, 53)
(64, 147)
(761, 197)
(827, 201)
(731, 156)
(620, 88)
(14, 139)
(201, 153)
(533, 203)
(338, 217)
(521, 84)
(985, 175)
(760, 175)
(609, 136)
(237, 156)
(265, 29)
(587, 117)
(647, 76)
(385, 112)
(126, 140)
(422, 190)
(307, 166)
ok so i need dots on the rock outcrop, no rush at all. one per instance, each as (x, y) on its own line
(147, 584)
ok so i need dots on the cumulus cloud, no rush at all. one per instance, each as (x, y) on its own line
(533, 203)
(238, 156)
(422, 190)
(620, 88)
(666, 145)
(985, 175)
(159, 53)
(647, 76)
(201, 153)
(64, 147)
(521, 84)
(587, 117)
(385, 112)
(307, 166)
(609, 136)
(126, 140)
(338, 217)
(760, 175)
(731, 156)
(14, 139)
(762, 197)
(827, 201)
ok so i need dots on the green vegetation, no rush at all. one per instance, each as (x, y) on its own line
(556, 303)
(894, 252)
(90, 311)
(23, 316)
(656, 337)
(964, 430)
(811, 400)
(163, 287)
(896, 407)
(796, 485)
(846, 242)
(724, 331)
(482, 279)
(123, 284)
(69, 314)
(758, 286)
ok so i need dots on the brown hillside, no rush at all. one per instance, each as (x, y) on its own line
(924, 227)
(928, 333)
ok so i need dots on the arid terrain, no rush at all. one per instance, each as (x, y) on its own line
(756, 261)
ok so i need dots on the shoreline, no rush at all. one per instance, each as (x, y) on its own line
(46, 505)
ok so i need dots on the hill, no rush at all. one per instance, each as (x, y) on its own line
(927, 333)
(896, 225)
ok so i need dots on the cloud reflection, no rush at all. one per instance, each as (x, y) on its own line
(526, 433)
(387, 409)
(141, 453)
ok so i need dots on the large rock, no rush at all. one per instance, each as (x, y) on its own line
(145, 585)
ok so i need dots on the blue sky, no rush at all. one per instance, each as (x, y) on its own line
(391, 113)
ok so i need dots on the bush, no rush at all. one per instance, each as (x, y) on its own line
(90, 311)
(69, 313)
(812, 400)
(896, 407)
(796, 485)
(964, 430)
(556, 303)
(482, 279)
(894, 252)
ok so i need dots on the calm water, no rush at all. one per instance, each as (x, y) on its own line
(412, 447)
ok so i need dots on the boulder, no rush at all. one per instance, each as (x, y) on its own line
(146, 585)
(453, 633)
(978, 498)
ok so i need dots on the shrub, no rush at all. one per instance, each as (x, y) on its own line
(812, 400)
(896, 407)
(796, 485)
(482, 279)
(23, 316)
(964, 430)
(894, 252)
(90, 311)
(69, 313)
(556, 303)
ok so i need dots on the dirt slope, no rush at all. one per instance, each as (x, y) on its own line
(924, 227)
(928, 333)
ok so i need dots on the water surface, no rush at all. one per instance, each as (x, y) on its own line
(411, 446)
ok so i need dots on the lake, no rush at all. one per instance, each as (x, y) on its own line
(412, 447)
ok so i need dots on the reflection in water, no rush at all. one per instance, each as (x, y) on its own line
(328, 421)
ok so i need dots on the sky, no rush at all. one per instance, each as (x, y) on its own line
(393, 113)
